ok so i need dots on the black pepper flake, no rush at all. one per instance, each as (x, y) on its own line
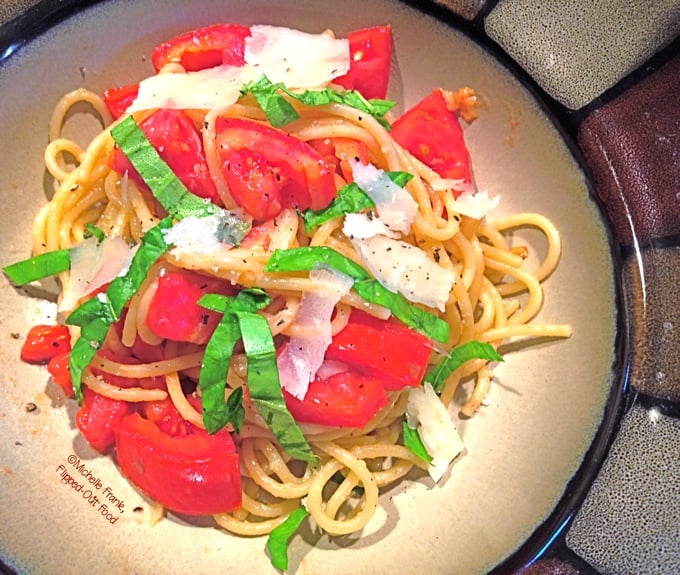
(138, 509)
(437, 255)
(31, 407)
(15, 335)
(204, 319)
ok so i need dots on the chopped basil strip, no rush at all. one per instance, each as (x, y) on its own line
(217, 357)
(309, 258)
(263, 375)
(457, 357)
(164, 184)
(277, 542)
(94, 231)
(280, 112)
(413, 442)
(38, 267)
(350, 199)
(98, 313)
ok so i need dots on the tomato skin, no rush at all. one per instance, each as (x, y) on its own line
(433, 134)
(267, 170)
(388, 350)
(174, 312)
(98, 418)
(179, 143)
(118, 99)
(345, 399)
(43, 342)
(59, 370)
(194, 474)
(370, 54)
(203, 48)
(340, 151)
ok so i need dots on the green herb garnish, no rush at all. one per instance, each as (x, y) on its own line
(277, 542)
(413, 442)
(457, 357)
(38, 267)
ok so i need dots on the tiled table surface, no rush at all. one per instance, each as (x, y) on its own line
(611, 72)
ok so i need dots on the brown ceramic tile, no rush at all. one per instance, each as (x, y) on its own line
(630, 521)
(653, 291)
(548, 567)
(632, 146)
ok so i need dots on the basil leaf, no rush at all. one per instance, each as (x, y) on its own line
(457, 357)
(400, 178)
(308, 258)
(265, 386)
(213, 377)
(350, 199)
(164, 184)
(94, 231)
(278, 110)
(413, 316)
(98, 313)
(413, 442)
(38, 267)
(277, 542)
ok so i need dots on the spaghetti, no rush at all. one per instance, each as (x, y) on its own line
(341, 493)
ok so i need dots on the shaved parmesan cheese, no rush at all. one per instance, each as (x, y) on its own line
(396, 208)
(451, 184)
(426, 413)
(202, 90)
(195, 235)
(475, 205)
(360, 226)
(94, 264)
(298, 59)
(406, 269)
(302, 357)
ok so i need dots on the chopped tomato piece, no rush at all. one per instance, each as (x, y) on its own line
(118, 99)
(203, 48)
(179, 143)
(59, 370)
(98, 418)
(370, 54)
(340, 151)
(193, 473)
(174, 312)
(267, 170)
(342, 400)
(432, 133)
(388, 350)
(43, 342)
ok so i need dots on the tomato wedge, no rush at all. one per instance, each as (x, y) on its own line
(118, 99)
(370, 54)
(194, 473)
(174, 312)
(267, 170)
(432, 133)
(345, 399)
(203, 48)
(179, 143)
(98, 417)
(388, 350)
(340, 151)
(43, 342)
(59, 370)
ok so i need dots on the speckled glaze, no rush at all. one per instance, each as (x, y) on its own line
(589, 425)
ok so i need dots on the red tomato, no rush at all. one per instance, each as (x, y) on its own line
(370, 54)
(59, 370)
(343, 400)
(174, 312)
(268, 170)
(194, 473)
(339, 152)
(432, 133)
(203, 48)
(179, 143)
(98, 418)
(118, 99)
(388, 350)
(43, 342)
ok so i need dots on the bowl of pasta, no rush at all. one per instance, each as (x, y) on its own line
(308, 287)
